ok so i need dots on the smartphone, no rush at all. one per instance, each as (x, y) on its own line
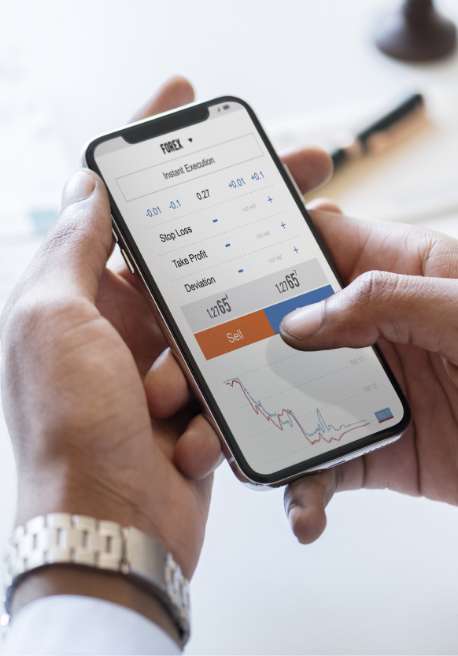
(207, 216)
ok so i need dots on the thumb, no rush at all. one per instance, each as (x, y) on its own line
(74, 256)
(403, 309)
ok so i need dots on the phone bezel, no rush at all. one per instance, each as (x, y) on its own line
(178, 119)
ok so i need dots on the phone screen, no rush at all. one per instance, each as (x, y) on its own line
(228, 247)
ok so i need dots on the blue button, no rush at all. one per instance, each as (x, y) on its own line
(275, 313)
(384, 414)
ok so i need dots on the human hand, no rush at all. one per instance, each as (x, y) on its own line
(78, 341)
(404, 296)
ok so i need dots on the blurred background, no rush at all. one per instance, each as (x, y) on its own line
(383, 579)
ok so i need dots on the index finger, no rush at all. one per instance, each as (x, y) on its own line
(310, 167)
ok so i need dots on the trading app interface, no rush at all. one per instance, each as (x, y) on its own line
(232, 254)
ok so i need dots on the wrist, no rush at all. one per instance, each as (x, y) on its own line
(73, 488)
(67, 488)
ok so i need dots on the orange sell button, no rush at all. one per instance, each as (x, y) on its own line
(234, 334)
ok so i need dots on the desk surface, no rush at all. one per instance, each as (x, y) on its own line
(383, 579)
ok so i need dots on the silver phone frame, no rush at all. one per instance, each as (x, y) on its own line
(227, 451)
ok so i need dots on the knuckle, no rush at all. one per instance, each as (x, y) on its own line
(373, 285)
(439, 255)
(34, 317)
(84, 224)
(69, 227)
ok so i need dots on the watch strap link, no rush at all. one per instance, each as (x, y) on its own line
(61, 538)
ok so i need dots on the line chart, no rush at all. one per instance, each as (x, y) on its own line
(323, 431)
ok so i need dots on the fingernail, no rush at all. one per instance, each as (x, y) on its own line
(303, 322)
(79, 187)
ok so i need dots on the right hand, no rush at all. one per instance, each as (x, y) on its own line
(404, 296)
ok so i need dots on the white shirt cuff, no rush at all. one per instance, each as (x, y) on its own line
(70, 624)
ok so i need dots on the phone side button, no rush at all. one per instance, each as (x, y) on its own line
(129, 264)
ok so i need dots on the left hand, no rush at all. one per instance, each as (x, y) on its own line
(84, 390)
(78, 340)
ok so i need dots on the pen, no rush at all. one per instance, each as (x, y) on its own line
(383, 132)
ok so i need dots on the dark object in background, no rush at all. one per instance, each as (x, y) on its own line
(417, 33)
(382, 132)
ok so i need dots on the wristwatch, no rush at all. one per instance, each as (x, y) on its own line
(61, 538)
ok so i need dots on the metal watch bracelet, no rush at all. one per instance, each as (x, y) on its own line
(61, 538)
